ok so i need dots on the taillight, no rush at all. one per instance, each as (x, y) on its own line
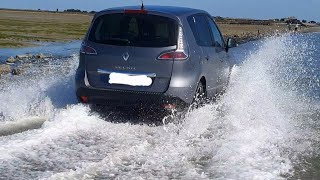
(182, 45)
(87, 50)
(134, 11)
(173, 55)
(181, 53)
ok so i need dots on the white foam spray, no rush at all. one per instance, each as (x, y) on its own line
(259, 129)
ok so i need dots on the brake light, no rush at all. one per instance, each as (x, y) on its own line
(133, 11)
(87, 50)
(181, 53)
(173, 55)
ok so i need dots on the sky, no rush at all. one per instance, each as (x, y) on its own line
(256, 9)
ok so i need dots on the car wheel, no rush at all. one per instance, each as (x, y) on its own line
(199, 97)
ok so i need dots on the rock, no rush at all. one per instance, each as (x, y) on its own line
(11, 60)
(16, 72)
(40, 56)
(24, 56)
(5, 69)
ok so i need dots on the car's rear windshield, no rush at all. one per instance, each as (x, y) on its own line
(141, 30)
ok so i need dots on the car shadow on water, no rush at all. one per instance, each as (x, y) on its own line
(136, 116)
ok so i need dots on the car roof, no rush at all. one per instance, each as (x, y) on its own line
(177, 11)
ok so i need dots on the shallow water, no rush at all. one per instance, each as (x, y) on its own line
(56, 49)
(266, 125)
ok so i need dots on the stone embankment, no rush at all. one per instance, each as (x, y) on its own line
(5, 69)
(11, 65)
(250, 36)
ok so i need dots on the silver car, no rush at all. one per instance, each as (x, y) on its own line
(153, 56)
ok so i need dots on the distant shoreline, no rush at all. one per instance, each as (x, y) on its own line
(312, 30)
(25, 28)
(47, 11)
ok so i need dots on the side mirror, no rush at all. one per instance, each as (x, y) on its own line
(231, 43)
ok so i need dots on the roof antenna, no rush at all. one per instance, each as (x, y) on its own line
(142, 6)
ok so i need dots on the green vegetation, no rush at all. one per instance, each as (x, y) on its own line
(23, 28)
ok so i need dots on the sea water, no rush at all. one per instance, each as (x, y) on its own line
(266, 125)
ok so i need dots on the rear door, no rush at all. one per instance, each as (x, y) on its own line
(219, 46)
(201, 30)
(129, 43)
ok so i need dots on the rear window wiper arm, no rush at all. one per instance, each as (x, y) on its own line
(127, 41)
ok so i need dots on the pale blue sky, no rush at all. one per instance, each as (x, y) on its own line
(261, 9)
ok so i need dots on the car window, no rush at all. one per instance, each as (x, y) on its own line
(141, 30)
(218, 40)
(200, 29)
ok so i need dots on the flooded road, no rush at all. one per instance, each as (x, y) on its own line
(266, 125)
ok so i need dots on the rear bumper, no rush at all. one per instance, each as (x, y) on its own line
(175, 94)
(127, 98)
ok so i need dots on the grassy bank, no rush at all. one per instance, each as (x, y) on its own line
(25, 28)
(245, 32)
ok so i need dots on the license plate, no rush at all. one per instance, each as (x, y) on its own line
(131, 80)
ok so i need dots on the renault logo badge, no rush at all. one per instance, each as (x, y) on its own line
(125, 56)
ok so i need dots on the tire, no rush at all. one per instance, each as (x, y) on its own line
(200, 96)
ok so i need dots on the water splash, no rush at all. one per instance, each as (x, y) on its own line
(262, 128)
(38, 91)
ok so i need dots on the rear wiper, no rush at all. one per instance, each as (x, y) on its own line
(126, 41)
